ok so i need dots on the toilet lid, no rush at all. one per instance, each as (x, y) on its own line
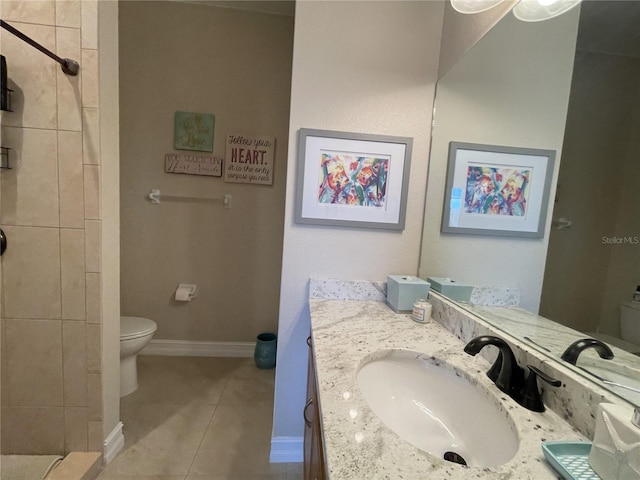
(634, 305)
(134, 327)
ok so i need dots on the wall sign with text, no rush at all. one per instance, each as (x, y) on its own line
(193, 164)
(249, 159)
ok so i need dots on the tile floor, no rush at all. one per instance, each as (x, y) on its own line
(199, 418)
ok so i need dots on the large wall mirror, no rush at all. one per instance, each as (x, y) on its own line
(569, 84)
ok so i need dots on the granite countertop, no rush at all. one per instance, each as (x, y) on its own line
(554, 338)
(358, 445)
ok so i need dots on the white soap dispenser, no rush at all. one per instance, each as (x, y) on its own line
(615, 453)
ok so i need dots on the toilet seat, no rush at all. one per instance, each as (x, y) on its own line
(136, 327)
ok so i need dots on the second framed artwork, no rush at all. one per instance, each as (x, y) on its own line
(497, 190)
(352, 179)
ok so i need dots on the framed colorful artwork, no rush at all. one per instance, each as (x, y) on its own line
(352, 179)
(496, 190)
(193, 131)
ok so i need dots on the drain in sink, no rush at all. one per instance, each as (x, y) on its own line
(455, 458)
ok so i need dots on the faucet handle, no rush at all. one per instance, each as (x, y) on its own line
(531, 397)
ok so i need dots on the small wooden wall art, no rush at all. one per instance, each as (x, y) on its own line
(193, 131)
(193, 164)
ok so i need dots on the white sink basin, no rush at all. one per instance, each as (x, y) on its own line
(434, 407)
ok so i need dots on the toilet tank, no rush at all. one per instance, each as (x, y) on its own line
(630, 322)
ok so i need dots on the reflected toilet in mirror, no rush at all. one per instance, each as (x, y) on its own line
(629, 329)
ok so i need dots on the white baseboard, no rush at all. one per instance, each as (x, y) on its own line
(113, 443)
(192, 348)
(287, 450)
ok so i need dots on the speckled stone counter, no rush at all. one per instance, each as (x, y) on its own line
(554, 338)
(357, 444)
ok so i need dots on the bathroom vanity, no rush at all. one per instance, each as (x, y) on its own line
(351, 324)
(313, 443)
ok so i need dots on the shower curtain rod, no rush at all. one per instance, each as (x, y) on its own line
(70, 67)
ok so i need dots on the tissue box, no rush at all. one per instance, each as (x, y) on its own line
(615, 452)
(403, 290)
(455, 291)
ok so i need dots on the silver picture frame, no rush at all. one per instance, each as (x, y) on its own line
(497, 190)
(347, 179)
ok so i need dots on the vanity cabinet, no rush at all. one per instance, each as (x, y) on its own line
(313, 448)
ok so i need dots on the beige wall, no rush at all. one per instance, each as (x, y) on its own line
(623, 275)
(51, 272)
(237, 66)
(110, 199)
(586, 279)
(512, 89)
(460, 32)
(367, 67)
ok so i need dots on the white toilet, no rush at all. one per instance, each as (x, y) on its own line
(629, 329)
(135, 334)
(630, 324)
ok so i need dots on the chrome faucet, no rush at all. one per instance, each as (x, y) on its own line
(509, 377)
(575, 349)
(505, 372)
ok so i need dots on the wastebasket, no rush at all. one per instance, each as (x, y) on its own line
(265, 352)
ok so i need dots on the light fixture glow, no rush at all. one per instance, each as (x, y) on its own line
(473, 6)
(539, 10)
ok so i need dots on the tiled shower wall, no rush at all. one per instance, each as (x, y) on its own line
(50, 212)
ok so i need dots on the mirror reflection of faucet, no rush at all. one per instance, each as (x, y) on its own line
(574, 350)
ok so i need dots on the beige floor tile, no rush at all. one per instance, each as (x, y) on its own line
(246, 368)
(181, 380)
(249, 386)
(105, 476)
(163, 417)
(249, 476)
(161, 439)
(295, 471)
(238, 441)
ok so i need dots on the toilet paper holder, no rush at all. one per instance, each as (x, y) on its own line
(185, 292)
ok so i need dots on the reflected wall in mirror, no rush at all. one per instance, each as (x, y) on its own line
(518, 87)
(511, 89)
(594, 266)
